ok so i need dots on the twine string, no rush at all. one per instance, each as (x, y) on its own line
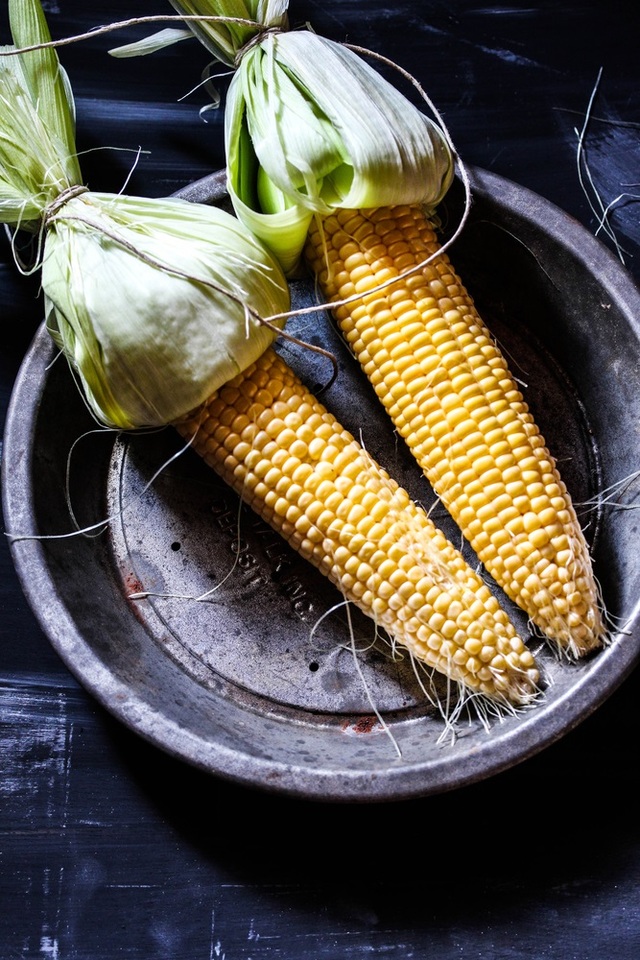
(255, 41)
(56, 205)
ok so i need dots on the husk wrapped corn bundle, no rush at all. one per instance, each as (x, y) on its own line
(154, 302)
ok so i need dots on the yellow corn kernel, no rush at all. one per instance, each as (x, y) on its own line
(448, 390)
(387, 558)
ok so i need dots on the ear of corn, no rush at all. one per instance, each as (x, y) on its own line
(448, 390)
(302, 472)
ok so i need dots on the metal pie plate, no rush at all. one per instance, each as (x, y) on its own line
(240, 658)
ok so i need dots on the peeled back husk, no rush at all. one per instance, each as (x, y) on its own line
(147, 299)
(310, 127)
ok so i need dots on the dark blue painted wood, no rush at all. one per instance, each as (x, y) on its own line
(108, 848)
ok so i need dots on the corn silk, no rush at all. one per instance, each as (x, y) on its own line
(310, 126)
(155, 302)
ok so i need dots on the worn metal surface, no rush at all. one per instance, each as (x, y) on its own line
(257, 684)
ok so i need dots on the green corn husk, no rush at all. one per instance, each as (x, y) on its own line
(151, 343)
(155, 303)
(311, 127)
(225, 39)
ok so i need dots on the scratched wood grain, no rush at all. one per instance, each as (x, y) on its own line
(108, 848)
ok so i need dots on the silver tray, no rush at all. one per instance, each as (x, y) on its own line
(261, 683)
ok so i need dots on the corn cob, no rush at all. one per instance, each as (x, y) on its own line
(448, 390)
(290, 460)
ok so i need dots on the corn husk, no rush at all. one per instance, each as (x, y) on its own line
(224, 39)
(155, 303)
(149, 341)
(310, 126)
(37, 123)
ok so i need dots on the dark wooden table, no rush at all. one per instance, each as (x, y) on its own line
(111, 849)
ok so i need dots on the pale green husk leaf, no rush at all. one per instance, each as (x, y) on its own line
(151, 344)
(37, 123)
(47, 83)
(151, 44)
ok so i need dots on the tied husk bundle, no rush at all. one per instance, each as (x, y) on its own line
(155, 303)
(310, 126)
